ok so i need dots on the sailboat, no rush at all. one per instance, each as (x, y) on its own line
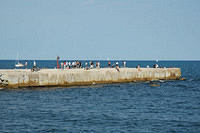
(18, 63)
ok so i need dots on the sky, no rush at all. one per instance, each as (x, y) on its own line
(100, 29)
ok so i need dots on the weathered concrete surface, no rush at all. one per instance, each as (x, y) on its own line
(56, 77)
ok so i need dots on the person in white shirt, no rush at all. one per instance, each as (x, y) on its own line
(34, 64)
(124, 63)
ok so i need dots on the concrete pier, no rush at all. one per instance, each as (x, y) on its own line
(15, 78)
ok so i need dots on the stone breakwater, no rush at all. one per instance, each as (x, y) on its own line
(15, 78)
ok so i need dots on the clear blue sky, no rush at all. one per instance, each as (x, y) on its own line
(100, 29)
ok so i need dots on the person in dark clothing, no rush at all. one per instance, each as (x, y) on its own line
(109, 64)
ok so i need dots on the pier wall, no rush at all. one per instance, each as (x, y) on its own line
(56, 77)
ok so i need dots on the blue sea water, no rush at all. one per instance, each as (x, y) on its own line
(173, 106)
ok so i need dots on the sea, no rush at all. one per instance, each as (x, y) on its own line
(168, 107)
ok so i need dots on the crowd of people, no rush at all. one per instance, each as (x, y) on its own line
(88, 65)
(91, 65)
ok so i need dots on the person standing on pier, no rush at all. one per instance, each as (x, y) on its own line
(61, 64)
(86, 65)
(91, 65)
(34, 64)
(117, 66)
(124, 63)
(26, 64)
(34, 67)
(109, 64)
(64, 65)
